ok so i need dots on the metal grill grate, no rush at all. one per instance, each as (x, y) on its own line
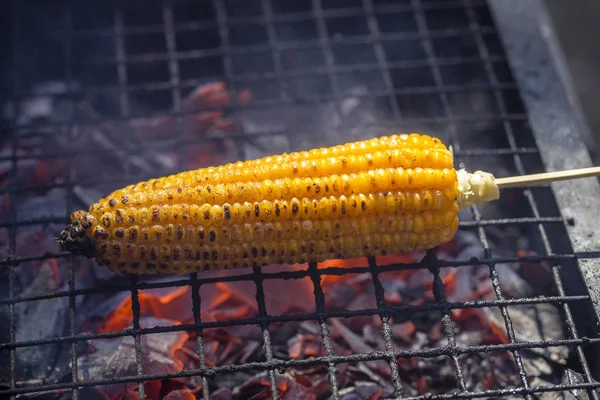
(507, 140)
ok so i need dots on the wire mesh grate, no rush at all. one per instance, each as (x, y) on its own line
(414, 70)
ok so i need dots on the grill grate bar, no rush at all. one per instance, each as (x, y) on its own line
(440, 297)
(528, 194)
(382, 62)
(287, 17)
(573, 332)
(477, 214)
(300, 72)
(386, 328)
(264, 326)
(294, 45)
(358, 270)
(302, 317)
(196, 303)
(221, 13)
(322, 316)
(12, 233)
(438, 286)
(333, 360)
(276, 105)
(68, 203)
(174, 81)
(325, 46)
(135, 309)
(124, 105)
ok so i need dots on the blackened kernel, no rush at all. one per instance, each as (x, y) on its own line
(124, 199)
(263, 252)
(277, 209)
(254, 252)
(100, 234)
(215, 255)
(103, 248)
(212, 236)
(131, 219)
(256, 210)
(201, 233)
(119, 233)
(170, 196)
(245, 254)
(363, 205)
(87, 223)
(133, 234)
(207, 215)
(206, 255)
(227, 211)
(354, 204)
(135, 265)
(116, 249)
(164, 266)
(106, 221)
(112, 202)
(176, 253)
(151, 266)
(207, 267)
(155, 214)
(179, 232)
(179, 190)
(153, 254)
(295, 208)
(143, 252)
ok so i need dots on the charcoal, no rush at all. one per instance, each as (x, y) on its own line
(180, 395)
(34, 322)
(258, 387)
(362, 391)
(534, 323)
(358, 346)
(222, 394)
(107, 358)
(511, 283)
(569, 377)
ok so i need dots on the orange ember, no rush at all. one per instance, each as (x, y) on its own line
(169, 305)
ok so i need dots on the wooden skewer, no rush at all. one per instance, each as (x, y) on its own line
(522, 180)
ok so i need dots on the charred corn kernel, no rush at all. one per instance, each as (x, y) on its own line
(392, 194)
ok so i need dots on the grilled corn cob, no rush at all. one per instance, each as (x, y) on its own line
(391, 194)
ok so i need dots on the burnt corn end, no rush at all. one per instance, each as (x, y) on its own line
(392, 194)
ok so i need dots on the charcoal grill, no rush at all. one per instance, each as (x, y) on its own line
(420, 63)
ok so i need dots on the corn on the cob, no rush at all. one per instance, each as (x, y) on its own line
(392, 194)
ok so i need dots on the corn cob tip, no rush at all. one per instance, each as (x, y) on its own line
(476, 188)
(75, 238)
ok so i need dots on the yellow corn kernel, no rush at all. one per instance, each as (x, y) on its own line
(392, 194)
